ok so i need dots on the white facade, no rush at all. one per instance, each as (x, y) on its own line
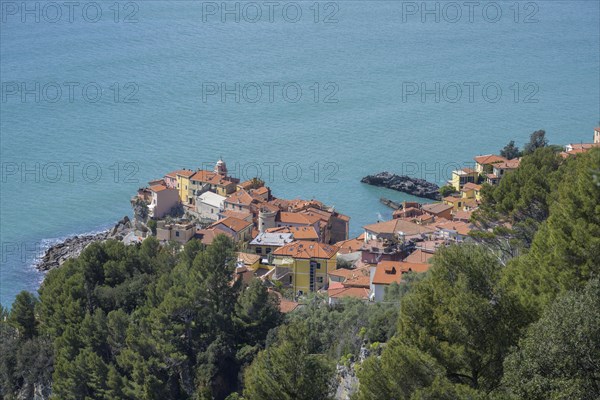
(209, 204)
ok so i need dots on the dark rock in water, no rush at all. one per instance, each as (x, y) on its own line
(406, 184)
(71, 247)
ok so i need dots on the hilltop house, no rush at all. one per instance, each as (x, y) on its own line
(503, 167)
(484, 164)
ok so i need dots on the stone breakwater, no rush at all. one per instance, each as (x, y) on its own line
(71, 247)
(403, 183)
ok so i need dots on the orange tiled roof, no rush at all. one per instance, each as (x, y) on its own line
(388, 272)
(350, 245)
(463, 215)
(462, 228)
(583, 146)
(452, 199)
(418, 256)
(184, 172)
(235, 224)
(299, 232)
(297, 218)
(337, 290)
(157, 188)
(240, 197)
(489, 159)
(436, 208)
(248, 258)
(306, 249)
(470, 186)
(243, 214)
(398, 225)
(211, 178)
(509, 164)
(351, 274)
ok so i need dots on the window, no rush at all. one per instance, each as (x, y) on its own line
(319, 279)
(177, 233)
(259, 250)
(268, 250)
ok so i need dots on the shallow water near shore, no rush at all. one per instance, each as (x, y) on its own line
(316, 147)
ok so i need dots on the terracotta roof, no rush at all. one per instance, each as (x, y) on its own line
(452, 199)
(242, 214)
(436, 208)
(583, 146)
(248, 258)
(184, 172)
(297, 218)
(418, 256)
(398, 225)
(388, 272)
(510, 164)
(285, 305)
(208, 235)
(463, 215)
(240, 197)
(211, 178)
(172, 174)
(338, 290)
(491, 176)
(158, 188)
(489, 159)
(351, 274)
(470, 186)
(350, 245)
(261, 190)
(462, 228)
(235, 224)
(306, 249)
(299, 232)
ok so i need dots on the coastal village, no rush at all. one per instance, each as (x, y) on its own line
(301, 246)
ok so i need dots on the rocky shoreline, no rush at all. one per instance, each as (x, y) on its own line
(403, 183)
(71, 247)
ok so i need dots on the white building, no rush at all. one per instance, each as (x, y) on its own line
(208, 205)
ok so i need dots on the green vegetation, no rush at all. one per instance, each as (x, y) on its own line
(510, 151)
(447, 190)
(513, 315)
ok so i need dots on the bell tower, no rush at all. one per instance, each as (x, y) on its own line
(220, 167)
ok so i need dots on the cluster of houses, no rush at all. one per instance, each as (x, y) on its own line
(303, 245)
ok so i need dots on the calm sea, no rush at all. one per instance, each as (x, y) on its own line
(99, 98)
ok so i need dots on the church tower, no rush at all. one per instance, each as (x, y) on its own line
(220, 167)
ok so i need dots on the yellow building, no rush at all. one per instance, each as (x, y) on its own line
(183, 185)
(304, 265)
(463, 176)
(471, 191)
(457, 203)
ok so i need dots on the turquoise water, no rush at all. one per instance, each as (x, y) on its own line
(358, 123)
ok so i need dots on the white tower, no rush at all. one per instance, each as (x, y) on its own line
(220, 167)
(266, 220)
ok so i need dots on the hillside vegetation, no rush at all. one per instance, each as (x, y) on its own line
(515, 314)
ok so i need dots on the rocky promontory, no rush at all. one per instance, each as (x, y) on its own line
(403, 183)
(71, 247)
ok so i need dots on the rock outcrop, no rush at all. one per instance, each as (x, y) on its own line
(71, 247)
(403, 183)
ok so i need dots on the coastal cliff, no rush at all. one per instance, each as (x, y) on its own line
(403, 183)
(57, 254)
